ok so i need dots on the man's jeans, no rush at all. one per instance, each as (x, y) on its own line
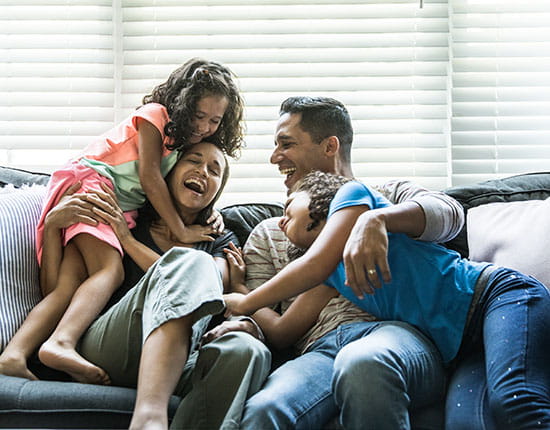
(371, 373)
(507, 386)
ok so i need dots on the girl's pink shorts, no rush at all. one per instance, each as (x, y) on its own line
(60, 181)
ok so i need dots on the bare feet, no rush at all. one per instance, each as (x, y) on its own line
(60, 356)
(149, 418)
(15, 366)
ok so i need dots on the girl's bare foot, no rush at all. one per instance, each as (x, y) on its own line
(15, 366)
(58, 355)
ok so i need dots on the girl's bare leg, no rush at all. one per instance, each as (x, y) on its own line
(163, 357)
(104, 265)
(42, 319)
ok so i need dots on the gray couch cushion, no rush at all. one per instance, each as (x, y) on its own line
(52, 404)
(530, 186)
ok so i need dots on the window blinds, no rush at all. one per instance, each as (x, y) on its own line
(56, 79)
(501, 88)
(387, 61)
(438, 106)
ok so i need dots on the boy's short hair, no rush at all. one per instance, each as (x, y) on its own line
(321, 188)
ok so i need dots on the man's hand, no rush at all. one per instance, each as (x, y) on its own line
(237, 268)
(366, 254)
(229, 326)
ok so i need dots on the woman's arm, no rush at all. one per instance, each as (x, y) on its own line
(307, 271)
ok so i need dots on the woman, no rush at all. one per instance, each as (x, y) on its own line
(150, 337)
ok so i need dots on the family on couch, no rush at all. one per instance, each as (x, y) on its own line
(363, 370)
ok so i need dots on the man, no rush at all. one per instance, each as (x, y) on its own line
(369, 372)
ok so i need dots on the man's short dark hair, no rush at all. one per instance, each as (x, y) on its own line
(322, 117)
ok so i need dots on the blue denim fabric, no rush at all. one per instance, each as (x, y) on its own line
(508, 386)
(342, 371)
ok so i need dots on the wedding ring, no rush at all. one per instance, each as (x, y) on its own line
(371, 271)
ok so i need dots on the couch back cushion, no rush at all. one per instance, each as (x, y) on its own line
(530, 186)
(19, 286)
(513, 234)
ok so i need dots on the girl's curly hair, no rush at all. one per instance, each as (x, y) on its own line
(185, 86)
(321, 188)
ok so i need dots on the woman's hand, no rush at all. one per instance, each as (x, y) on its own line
(107, 208)
(216, 222)
(71, 209)
(237, 268)
(366, 254)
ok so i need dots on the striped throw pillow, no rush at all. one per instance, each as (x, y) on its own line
(19, 286)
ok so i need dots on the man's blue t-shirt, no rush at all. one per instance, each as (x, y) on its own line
(431, 286)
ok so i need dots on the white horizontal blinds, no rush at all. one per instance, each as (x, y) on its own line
(56, 79)
(387, 61)
(501, 88)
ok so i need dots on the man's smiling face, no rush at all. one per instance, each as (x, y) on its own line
(295, 152)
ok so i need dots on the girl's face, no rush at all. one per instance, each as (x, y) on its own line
(196, 178)
(208, 116)
(296, 220)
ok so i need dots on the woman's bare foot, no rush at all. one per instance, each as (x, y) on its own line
(60, 356)
(15, 366)
(149, 418)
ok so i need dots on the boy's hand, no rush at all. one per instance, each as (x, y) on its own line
(237, 266)
(216, 222)
(235, 304)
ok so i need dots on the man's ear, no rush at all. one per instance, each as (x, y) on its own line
(332, 146)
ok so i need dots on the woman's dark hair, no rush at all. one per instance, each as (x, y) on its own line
(185, 86)
(148, 212)
(321, 188)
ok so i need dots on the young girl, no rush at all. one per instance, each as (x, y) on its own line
(199, 101)
(459, 304)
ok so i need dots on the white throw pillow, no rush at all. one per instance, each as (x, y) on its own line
(19, 285)
(512, 234)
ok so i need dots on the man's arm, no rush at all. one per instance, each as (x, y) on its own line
(420, 213)
(443, 215)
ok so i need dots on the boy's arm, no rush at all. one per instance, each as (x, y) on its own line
(307, 271)
(150, 157)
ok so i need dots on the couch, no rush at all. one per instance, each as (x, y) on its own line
(508, 222)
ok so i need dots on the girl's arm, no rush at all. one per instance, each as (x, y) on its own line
(305, 272)
(150, 157)
(71, 209)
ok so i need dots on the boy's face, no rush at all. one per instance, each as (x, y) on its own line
(296, 220)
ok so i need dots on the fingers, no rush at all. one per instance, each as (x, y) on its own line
(73, 189)
(216, 222)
